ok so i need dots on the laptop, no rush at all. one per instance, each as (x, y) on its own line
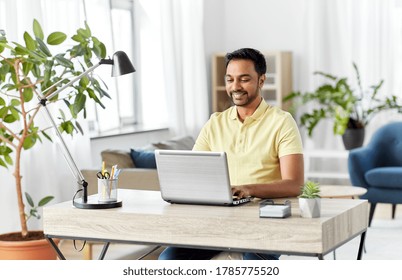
(195, 177)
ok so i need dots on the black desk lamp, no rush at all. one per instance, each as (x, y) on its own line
(121, 65)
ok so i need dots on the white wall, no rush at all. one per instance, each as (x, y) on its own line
(262, 24)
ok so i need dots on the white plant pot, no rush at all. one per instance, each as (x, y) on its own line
(310, 207)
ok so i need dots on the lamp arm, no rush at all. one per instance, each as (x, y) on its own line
(68, 157)
(66, 152)
(71, 82)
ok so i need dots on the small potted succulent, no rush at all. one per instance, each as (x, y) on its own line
(310, 200)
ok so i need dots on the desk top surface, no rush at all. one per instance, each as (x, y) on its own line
(145, 218)
(328, 191)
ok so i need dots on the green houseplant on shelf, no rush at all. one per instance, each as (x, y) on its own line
(28, 71)
(350, 109)
(310, 200)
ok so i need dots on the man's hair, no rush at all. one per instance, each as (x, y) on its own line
(255, 56)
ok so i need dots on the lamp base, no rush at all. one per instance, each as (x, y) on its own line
(97, 205)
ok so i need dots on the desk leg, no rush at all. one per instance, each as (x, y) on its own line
(361, 246)
(56, 248)
(104, 250)
(320, 257)
(149, 252)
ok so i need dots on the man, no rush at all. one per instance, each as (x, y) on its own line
(262, 143)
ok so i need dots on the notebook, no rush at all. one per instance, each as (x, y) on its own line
(195, 177)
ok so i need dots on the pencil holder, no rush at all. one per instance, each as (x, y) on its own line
(107, 190)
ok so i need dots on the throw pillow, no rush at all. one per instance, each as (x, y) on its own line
(119, 157)
(143, 159)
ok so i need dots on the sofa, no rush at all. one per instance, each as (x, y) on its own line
(138, 172)
(137, 164)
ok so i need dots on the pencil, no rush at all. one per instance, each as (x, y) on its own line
(103, 168)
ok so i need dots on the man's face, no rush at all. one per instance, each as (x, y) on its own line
(242, 82)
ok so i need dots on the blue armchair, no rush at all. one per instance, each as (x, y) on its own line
(378, 167)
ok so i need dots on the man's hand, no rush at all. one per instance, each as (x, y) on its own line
(240, 191)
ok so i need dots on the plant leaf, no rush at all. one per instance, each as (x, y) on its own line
(8, 159)
(29, 199)
(64, 61)
(78, 126)
(37, 29)
(27, 94)
(2, 163)
(79, 103)
(87, 28)
(43, 47)
(45, 200)
(56, 38)
(66, 126)
(29, 42)
(9, 118)
(29, 142)
(78, 38)
(47, 136)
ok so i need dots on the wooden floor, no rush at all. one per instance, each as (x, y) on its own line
(131, 252)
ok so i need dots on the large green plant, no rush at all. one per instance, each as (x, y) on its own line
(29, 69)
(348, 107)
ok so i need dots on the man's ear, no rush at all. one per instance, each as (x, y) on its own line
(261, 81)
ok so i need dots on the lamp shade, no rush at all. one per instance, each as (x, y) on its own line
(121, 64)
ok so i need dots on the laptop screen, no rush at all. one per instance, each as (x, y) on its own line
(193, 177)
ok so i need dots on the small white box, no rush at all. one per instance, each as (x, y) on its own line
(275, 210)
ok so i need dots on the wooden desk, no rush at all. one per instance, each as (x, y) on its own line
(335, 191)
(146, 219)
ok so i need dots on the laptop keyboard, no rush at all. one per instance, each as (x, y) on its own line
(237, 200)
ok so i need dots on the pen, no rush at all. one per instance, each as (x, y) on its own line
(113, 171)
(116, 173)
(103, 168)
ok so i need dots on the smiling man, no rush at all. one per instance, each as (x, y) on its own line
(262, 142)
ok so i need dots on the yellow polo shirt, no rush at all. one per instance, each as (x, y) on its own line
(253, 147)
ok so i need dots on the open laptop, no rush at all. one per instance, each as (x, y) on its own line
(195, 177)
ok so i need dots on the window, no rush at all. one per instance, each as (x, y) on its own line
(120, 110)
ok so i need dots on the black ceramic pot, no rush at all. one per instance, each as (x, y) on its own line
(353, 138)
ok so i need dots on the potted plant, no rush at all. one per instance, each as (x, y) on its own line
(32, 68)
(350, 109)
(310, 200)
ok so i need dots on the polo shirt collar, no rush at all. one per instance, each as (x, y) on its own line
(256, 115)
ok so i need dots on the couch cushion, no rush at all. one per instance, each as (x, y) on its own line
(387, 177)
(179, 143)
(143, 159)
(119, 157)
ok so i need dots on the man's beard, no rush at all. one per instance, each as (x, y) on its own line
(247, 101)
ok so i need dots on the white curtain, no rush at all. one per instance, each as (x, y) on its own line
(185, 65)
(339, 32)
(173, 63)
(44, 170)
